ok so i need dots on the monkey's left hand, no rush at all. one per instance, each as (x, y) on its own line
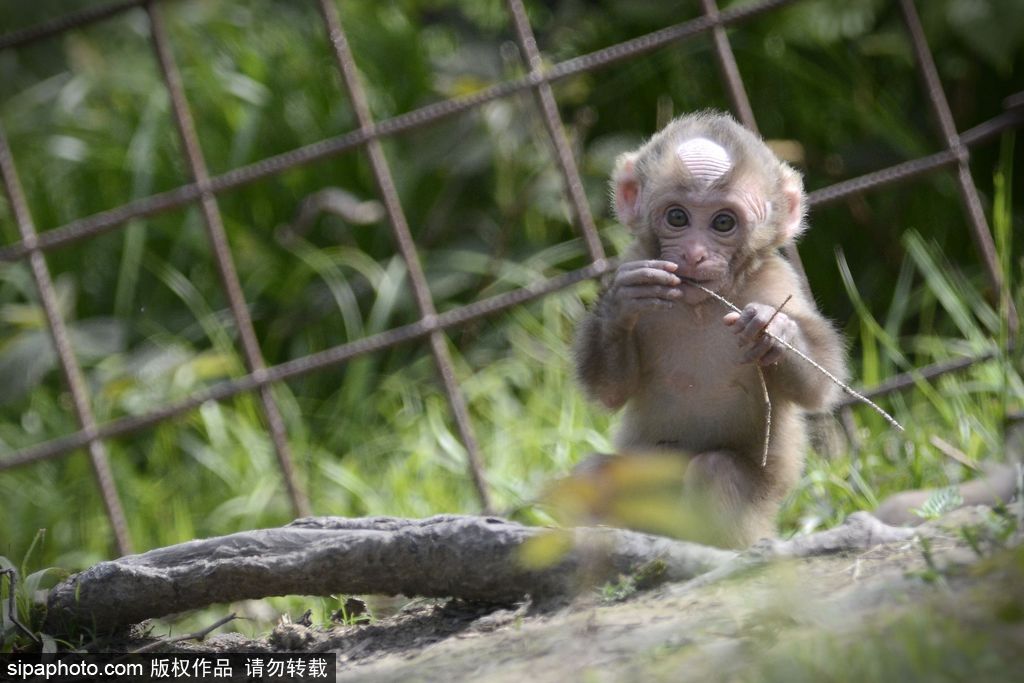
(748, 326)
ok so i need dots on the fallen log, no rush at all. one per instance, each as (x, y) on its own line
(474, 558)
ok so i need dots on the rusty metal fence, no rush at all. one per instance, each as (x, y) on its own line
(204, 189)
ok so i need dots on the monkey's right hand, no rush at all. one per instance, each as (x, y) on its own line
(641, 286)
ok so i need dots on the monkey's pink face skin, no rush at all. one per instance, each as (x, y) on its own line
(700, 233)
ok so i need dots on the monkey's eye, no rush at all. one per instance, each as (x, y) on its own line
(677, 218)
(723, 222)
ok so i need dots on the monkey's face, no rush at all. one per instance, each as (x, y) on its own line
(702, 232)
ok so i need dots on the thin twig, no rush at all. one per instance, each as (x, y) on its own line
(764, 329)
(767, 417)
(764, 391)
(196, 635)
(838, 382)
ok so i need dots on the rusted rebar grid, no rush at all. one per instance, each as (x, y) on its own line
(80, 398)
(193, 154)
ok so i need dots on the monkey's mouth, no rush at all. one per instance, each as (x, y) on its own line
(699, 283)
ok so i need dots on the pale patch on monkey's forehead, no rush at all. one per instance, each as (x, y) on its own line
(705, 160)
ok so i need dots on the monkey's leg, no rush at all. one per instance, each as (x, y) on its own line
(726, 497)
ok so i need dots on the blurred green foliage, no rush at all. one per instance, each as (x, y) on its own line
(89, 124)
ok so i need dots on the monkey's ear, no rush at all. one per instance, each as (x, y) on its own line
(791, 222)
(626, 189)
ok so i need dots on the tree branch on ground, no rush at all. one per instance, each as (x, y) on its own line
(473, 558)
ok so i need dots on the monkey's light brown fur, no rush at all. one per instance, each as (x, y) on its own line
(681, 367)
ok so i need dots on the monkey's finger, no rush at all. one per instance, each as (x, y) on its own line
(739, 323)
(649, 266)
(759, 350)
(743, 323)
(658, 264)
(652, 276)
(748, 328)
(752, 312)
(774, 355)
(782, 326)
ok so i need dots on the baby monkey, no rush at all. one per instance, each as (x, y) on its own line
(707, 202)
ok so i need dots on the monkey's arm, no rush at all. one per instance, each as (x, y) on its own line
(794, 378)
(789, 375)
(607, 359)
(798, 322)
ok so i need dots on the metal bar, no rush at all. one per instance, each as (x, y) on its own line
(306, 365)
(730, 70)
(66, 22)
(556, 130)
(907, 380)
(898, 172)
(65, 354)
(97, 224)
(965, 183)
(432, 113)
(406, 247)
(222, 254)
(1012, 118)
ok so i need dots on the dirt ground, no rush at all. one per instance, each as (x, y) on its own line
(946, 603)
